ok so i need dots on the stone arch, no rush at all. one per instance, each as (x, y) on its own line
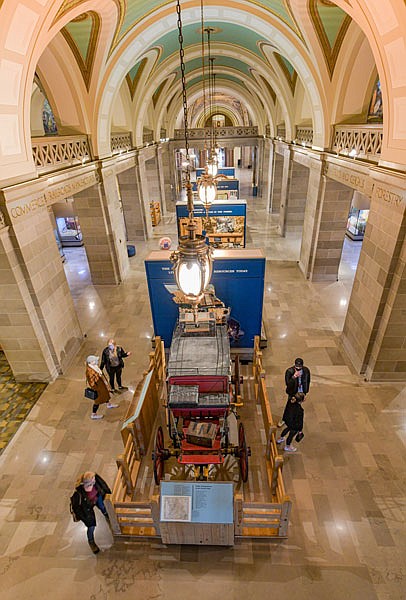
(258, 21)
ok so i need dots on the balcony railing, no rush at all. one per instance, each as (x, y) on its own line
(121, 142)
(52, 153)
(304, 135)
(220, 132)
(358, 141)
(281, 131)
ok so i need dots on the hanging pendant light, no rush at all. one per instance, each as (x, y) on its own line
(192, 261)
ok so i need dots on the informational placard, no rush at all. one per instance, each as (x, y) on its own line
(238, 279)
(197, 502)
(223, 184)
(228, 171)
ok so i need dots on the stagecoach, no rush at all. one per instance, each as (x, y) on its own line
(203, 395)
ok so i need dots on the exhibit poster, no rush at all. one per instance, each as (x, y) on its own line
(238, 280)
(197, 502)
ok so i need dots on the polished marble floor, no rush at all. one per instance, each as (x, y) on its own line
(347, 533)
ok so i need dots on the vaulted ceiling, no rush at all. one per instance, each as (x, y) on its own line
(330, 24)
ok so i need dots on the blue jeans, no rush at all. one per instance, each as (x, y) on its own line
(102, 508)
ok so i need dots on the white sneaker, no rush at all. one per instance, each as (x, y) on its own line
(95, 416)
(111, 405)
(280, 440)
(290, 449)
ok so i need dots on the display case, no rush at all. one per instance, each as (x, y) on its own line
(155, 209)
(357, 220)
(69, 231)
(224, 225)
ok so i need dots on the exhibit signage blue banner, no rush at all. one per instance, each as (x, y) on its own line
(223, 184)
(216, 210)
(238, 282)
(228, 171)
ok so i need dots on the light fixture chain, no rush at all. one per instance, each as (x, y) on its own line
(182, 72)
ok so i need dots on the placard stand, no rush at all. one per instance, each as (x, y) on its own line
(197, 512)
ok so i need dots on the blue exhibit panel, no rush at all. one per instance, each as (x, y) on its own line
(216, 210)
(223, 184)
(239, 283)
(227, 171)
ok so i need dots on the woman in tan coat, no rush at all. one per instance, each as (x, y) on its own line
(97, 381)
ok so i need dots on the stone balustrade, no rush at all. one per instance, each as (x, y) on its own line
(220, 132)
(358, 141)
(121, 142)
(304, 135)
(55, 152)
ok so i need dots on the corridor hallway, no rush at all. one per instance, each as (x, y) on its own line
(346, 534)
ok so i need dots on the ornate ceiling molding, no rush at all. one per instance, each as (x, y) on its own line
(291, 77)
(132, 83)
(330, 53)
(68, 5)
(85, 64)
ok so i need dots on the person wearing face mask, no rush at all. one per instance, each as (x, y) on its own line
(90, 491)
(97, 382)
(297, 379)
(112, 359)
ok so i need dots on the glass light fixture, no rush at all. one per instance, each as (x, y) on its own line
(212, 168)
(207, 190)
(192, 261)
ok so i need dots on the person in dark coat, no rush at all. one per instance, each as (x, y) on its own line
(297, 379)
(90, 491)
(112, 359)
(293, 416)
(98, 382)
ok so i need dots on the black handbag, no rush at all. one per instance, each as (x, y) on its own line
(299, 436)
(91, 394)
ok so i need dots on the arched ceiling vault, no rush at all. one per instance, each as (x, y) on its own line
(107, 38)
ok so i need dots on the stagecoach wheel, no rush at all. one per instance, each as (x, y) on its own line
(158, 456)
(237, 379)
(243, 453)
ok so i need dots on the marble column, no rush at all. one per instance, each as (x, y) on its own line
(39, 329)
(285, 187)
(374, 333)
(277, 173)
(100, 215)
(149, 184)
(327, 207)
(296, 199)
(166, 168)
(266, 172)
(133, 207)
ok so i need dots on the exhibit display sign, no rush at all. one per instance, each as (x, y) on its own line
(224, 226)
(238, 280)
(197, 502)
(227, 171)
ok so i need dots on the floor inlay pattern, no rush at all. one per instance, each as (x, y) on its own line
(16, 401)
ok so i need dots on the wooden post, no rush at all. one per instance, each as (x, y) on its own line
(114, 524)
(238, 514)
(155, 513)
(271, 430)
(285, 512)
(277, 464)
(122, 462)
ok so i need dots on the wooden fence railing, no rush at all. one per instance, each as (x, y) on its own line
(127, 517)
(262, 519)
(141, 519)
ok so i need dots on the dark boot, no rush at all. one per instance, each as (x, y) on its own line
(95, 548)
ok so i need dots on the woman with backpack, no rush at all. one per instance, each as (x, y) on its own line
(90, 491)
